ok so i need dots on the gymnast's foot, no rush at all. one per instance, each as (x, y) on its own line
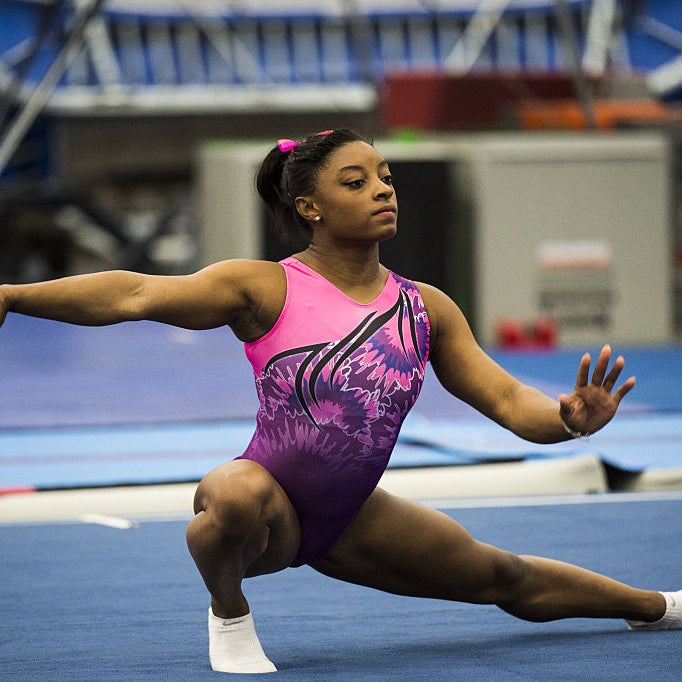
(233, 646)
(672, 619)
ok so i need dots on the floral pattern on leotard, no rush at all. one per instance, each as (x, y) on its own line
(346, 396)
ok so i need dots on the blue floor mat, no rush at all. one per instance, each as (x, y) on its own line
(84, 602)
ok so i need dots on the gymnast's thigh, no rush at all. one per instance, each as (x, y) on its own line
(404, 547)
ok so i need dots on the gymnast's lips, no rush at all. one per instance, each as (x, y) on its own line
(389, 208)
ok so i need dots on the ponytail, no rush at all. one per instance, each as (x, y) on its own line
(290, 170)
(289, 224)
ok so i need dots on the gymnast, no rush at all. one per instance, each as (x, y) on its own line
(339, 346)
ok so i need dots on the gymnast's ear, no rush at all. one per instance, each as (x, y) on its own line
(307, 209)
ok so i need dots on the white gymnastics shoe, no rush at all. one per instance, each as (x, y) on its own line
(233, 646)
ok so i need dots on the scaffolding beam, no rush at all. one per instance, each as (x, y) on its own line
(73, 43)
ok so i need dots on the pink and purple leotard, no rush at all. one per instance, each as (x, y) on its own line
(335, 379)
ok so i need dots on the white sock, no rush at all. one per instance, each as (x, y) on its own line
(233, 646)
(672, 618)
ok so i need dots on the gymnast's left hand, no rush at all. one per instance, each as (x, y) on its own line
(593, 403)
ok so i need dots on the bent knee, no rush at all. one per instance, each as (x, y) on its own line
(240, 505)
(236, 493)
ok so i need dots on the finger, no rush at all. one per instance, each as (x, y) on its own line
(612, 376)
(601, 365)
(565, 405)
(566, 408)
(625, 389)
(583, 371)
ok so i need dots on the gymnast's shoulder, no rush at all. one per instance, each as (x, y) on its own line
(444, 314)
(244, 274)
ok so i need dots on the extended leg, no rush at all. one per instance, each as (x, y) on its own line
(550, 590)
(244, 526)
(399, 546)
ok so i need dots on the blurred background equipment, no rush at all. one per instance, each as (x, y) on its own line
(106, 104)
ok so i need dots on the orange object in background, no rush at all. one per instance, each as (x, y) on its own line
(608, 114)
(433, 100)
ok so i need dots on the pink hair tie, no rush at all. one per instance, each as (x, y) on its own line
(286, 145)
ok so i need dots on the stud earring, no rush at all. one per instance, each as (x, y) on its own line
(318, 218)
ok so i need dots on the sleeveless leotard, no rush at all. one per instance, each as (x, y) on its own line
(335, 380)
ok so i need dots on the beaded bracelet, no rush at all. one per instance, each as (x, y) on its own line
(571, 432)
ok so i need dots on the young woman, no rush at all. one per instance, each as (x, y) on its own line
(339, 347)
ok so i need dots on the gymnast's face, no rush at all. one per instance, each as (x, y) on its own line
(354, 196)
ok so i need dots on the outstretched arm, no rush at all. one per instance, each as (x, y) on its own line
(224, 293)
(467, 372)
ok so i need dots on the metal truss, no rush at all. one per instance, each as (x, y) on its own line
(190, 56)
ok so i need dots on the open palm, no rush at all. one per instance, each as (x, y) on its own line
(593, 403)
